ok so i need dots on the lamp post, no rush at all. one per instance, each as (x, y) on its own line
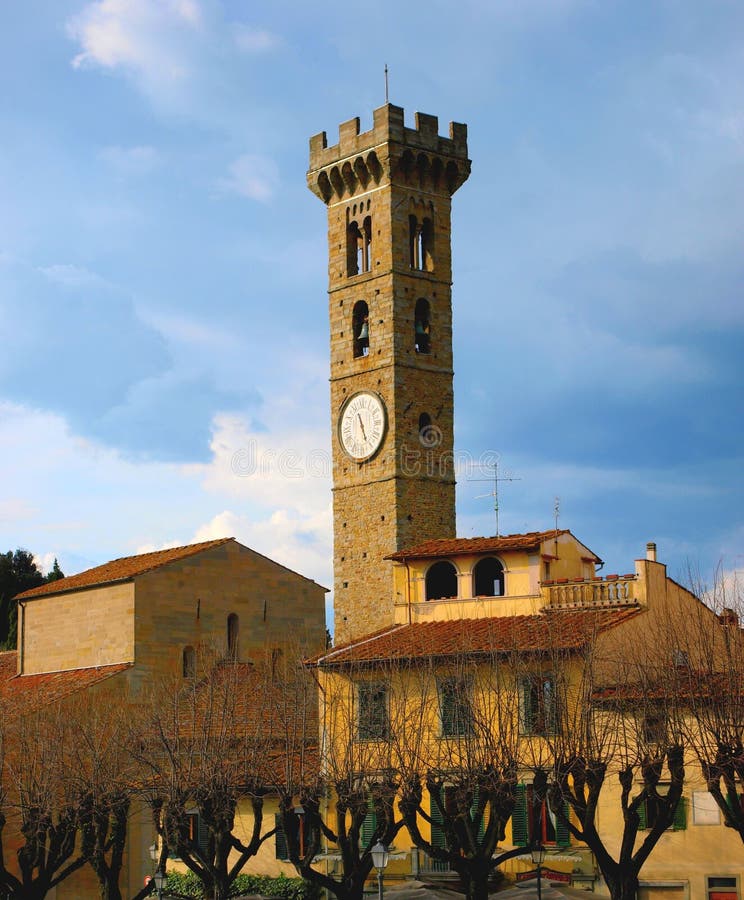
(159, 877)
(380, 858)
(537, 852)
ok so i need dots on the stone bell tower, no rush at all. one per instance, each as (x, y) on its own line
(388, 193)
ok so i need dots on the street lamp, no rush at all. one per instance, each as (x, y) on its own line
(380, 858)
(537, 852)
(159, 877)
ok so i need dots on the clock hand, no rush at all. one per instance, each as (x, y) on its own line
(361, 425)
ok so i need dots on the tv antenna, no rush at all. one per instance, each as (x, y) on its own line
(495, 492)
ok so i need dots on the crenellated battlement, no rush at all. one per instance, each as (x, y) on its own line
(373, 156)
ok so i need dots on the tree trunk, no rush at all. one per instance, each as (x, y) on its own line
(623, 886)
(475, 881)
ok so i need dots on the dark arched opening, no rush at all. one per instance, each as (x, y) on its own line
(233, 635)
(488, 578)
(360, 328)
(422, 326)
(441, 581)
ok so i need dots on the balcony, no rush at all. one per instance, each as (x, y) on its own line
(612, 590)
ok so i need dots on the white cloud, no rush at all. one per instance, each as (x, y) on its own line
(252, 176)
(71, 275)
(139, 160)
(253, 40)
(150, 38)
(302, 543)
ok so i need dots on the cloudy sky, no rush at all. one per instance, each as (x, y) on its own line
(163, 373)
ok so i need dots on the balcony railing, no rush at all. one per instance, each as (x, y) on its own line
(612, 590)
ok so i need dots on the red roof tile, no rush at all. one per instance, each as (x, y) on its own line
(554, 630)
(26, 692)
(458, 546)
(121, 569)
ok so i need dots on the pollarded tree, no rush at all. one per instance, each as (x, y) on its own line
(615, 720)
(709, 679)
(104, 778)
(42, 807)
(209, 754)
(347, 792)
(464, 752)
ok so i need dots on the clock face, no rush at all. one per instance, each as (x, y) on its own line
(361, 425)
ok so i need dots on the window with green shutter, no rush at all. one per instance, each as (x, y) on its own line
(369, 826)
(372, 713)
(649, 811)
(680, 816)
(538, 710)
(280, 838)
(532, 821)
(437, 824)
(520, 836)
(454, 706)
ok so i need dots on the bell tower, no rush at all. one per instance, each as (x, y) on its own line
(388, 192)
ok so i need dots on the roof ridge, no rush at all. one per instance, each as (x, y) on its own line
(123, 568)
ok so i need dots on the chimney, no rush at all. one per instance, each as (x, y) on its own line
(651, 551)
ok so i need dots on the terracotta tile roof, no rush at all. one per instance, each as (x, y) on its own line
(458, 546)
(554, 630)
(121, 569)
(26, 692)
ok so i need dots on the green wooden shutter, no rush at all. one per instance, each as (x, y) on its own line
(437, 823)
(680, 815)
(473, 810)
(369, 826)
(282, 850)
(519, 818)
(562, 834)
(642, 817)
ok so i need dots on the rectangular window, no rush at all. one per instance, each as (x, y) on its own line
(533, 820)
(280, 838)
(454, 706)
(652, 808)
(537, 705)
(372, 720)
(722, 887)
(197, 834)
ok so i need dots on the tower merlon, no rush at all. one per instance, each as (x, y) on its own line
(388, 127)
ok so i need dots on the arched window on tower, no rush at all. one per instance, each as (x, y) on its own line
(359, 246)
(360, 328)
(188, 662)
(421, 244)
(441, 581)
(427, 245)
(233, 636)
(425, 433)
(488, 578)
(422, 326)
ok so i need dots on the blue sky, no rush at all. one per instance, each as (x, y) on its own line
(163, 313)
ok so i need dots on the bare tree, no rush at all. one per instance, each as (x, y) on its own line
(208, 754)
(346, 794)
(42, 808)
(616, 719)
(460, 742)
(709, 679)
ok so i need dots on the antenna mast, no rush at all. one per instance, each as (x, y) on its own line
(495, 492)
